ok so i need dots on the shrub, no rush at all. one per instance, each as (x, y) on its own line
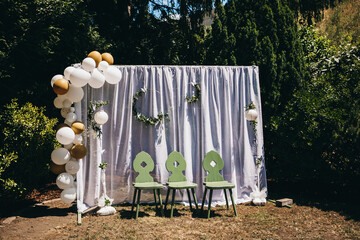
(26, 142)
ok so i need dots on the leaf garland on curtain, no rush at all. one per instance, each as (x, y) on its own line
(143, 118)
(196, 97)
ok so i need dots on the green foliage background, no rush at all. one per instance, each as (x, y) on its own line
(309, 85)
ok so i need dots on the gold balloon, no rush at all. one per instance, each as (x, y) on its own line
(57, 169)
(78, 151)
(108, 57)
(96, 56)
(61, 86)
(78, 127)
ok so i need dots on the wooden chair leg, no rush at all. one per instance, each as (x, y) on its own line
(233, 202)
(167, 198)
(226, 199)
(194, 196)
(188, 193)
(203, 199)
(172, 203)
(138, 204)
(210, 198)
(134, 199)
(155, 200)
(161, 207)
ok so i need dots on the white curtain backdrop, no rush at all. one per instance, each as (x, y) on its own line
(216, 122)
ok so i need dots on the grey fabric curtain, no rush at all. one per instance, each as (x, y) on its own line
(216, 122)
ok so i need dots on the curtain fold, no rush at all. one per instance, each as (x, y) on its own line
(216, 122)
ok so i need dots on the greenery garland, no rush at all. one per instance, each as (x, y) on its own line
(197, 95)
(90, 115)
(141, 117)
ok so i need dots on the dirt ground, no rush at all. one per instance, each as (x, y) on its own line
(314, 215)
(55, 220)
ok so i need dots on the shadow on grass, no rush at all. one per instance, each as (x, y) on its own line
(322, 195)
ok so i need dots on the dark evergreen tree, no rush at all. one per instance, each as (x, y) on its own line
(221, 46)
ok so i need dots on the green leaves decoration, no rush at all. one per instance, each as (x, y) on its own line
(103, 165)
(197, 95)
(141, 117)
(94, 105)
(253, 123)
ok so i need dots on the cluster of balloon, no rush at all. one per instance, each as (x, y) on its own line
(95, 70)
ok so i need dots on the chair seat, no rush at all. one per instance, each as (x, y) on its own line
(219, 185)
(181, 185)
(148, 185)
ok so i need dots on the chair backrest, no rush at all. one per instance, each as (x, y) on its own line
(176, 164)
(213, 164)
(143, 164)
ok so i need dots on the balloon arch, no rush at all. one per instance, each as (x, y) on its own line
(95, 70)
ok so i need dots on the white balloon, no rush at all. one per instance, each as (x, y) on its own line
(75, 94)
(101, 117)
(71, 117)
(64, 112)
(79, 77)
(72, 166)
(68, 195)
(251, 114)
(67, 122)
(58, 102)
(67, 72)
(97, 79)
(60, 156)
(65, 135)
(67, 103)
(68, 146)
(88, 64)
(103, 65)
(78, 139)
(64, 180)
(112, 75)
(56, 77)
(72, 109)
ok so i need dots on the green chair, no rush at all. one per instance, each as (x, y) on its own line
(176, 164)
(143, 164)
(213, 164)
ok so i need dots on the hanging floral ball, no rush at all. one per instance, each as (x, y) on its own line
(101, 117)
(251, 114)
